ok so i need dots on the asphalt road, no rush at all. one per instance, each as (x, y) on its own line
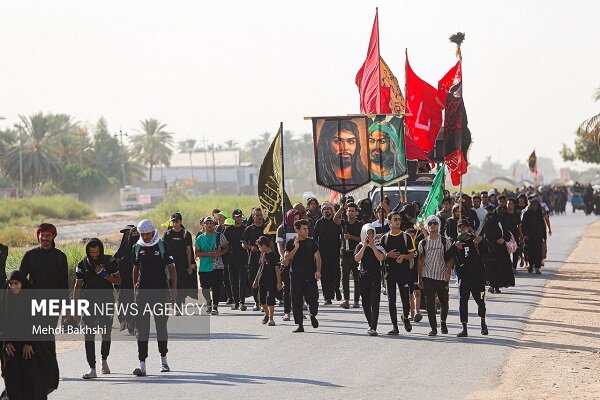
(109, 225)
(338, 360)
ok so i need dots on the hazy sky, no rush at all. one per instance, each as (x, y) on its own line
(234, 69)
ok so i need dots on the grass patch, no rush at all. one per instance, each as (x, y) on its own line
(30, 212)
(75, 252)
(193, 208)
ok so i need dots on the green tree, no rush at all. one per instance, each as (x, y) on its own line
(587, 139)
(40, 164)
(153, 145)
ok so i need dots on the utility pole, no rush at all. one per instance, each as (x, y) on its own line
(205, 150)
(121, 134)
(20, 129)
(214, 171)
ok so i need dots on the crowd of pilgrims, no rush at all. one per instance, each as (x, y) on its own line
(479, 240)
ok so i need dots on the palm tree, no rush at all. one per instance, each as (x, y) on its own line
(39, 163)
(153, 145)
(591, 126)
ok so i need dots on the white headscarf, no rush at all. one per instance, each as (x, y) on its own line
(146, 226)
(363, 235)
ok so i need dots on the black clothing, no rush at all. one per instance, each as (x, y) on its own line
(349, 265)
(250, 236)
(268, 263)
(302, 278)
(238, 259)
(469, 264)
(187, 284)
(152, 266)
(534, 227)
(234, 234)
(303, 264)
(370, 266)
(498, 265)
(371, 296)
(328, 236)
(124, 258)
(398, 274)
(353, 229)
(464, 291)
(267, 293)
(46, 269)
(431, 288)
(3, 257)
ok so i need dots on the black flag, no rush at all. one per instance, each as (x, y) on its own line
(270, 186)
(532, 163)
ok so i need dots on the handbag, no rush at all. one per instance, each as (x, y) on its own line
(511, 244)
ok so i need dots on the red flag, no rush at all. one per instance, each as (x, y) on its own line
(424, 112)
(374, 98)
(452, 77)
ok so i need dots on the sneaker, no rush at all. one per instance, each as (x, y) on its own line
(243, 307)
(271, 323)
(286, 317)
(327, 303)
(207, 309)
(538, 271)
(432, 333)
(214, 312)
(265, 319)
(345, 304)
(373, 333)
(369, 331)
(164, 367)
(139, 371)
(491, 290)
(105, 370)
(462, 333)
(444, 328)
(356, 305)
(394, 332)
(530, 269)
(418, 317)
(407, 325)
(497, 291)
(236, 306)
(314, 322)
(299, 329)
(256, 308)
(484, 329)
(91, 374)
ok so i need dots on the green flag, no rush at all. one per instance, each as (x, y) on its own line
(435, 196)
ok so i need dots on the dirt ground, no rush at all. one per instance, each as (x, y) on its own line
(558, 356)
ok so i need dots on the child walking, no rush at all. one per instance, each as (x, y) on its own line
(268, 279)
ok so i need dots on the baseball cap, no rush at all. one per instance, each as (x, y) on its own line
(224, 214)
(326, 205)
(237, 212)
(176, 217)
(208, 219)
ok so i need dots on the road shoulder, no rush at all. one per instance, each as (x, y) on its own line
(558, 355)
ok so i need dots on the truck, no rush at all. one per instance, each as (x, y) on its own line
(130, 198)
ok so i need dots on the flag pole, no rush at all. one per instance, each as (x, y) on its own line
(378, 62)
(282, 178)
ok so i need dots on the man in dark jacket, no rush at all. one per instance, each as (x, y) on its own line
(471, 275)
(3, 257)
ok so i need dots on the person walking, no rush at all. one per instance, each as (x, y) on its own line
(435, 266)
(328, 235)
(351, 229)
(370, 256)
(304, 259)
(268, 279)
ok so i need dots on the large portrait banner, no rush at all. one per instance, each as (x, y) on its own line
(341, 146)
(387, 151)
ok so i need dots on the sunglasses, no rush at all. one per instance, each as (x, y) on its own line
(432, 223)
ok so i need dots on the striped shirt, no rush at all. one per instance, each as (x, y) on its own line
(435, 266)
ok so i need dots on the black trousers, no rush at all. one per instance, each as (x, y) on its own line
(252, 272)
(465, 290)
(392, 281)
(227, 282)
(349, 264)
(431, 288)
(287, 299)
(304, 289)
(516, 255)
(126, 298)
(90, 348)
(330, 274)
(143, 324)
(371, 296)
(235, 280)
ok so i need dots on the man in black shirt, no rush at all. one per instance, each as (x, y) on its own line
(238, 259)
(249, 238)
(151, 261)
(471, 275)
(179, 242)
(400, 253)
(304, 259)
(351, 228)
(95, 276)
(328, 234)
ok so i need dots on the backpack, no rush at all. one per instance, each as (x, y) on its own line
(384, 240)
(161, 249)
